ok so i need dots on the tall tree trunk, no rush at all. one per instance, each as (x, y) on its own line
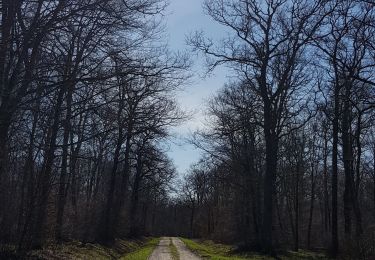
(373, 174)
(335, 137)
(269, 178)
(64, 165)
(359, 152)
(312, 201)
(8, 18)
(107, 232)
(192, 216)
(296, 205)
(44, 181)
(123, 187)
(327, 217)
(348, 162)
(28, 180)
(133, 231)
(356, 183)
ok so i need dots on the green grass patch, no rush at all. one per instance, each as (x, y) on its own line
(210, 250)
(143, 252)
(174, 251)
(214, 251)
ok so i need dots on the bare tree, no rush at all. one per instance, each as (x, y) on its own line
(268, 49)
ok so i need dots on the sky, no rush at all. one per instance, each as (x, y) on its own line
(183, 18)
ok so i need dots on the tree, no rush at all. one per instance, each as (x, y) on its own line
(82, 83)
(268, 50)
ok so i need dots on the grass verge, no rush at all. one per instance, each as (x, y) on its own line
(174, 251)
(214, 251)
(77, 250)
(138, 249)
(210, 250)
(143, 252)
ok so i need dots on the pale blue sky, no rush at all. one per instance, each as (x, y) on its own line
(185, 17)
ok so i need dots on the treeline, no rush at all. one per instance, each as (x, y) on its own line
(290, 142)
(86, 98)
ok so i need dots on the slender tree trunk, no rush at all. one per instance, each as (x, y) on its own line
(73, 173)
(348, 159)
(335, 136)
(8, 18)
(192, 216)
(123, 187)
(279, 217)
(5, 119)
(269, 178)
(64, 166)
(327, 217)
(312, 201)
(46, 173)
(359, 153)
(356, 183)
(296, 206)
(108, 228)
(373, 174)
(133, 231)
(290, 213)
(28, 188)
(144, 218)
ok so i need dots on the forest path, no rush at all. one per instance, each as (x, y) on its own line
(163, 252)
(183, 251)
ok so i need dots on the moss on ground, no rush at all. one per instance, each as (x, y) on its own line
(214, 251)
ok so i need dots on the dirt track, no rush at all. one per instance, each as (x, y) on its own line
(162, 251)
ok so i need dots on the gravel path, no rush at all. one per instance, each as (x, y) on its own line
(162, 251)
(184, 252)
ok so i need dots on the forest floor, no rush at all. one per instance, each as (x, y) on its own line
(139, 249)
(214, 251)
(165, 248)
